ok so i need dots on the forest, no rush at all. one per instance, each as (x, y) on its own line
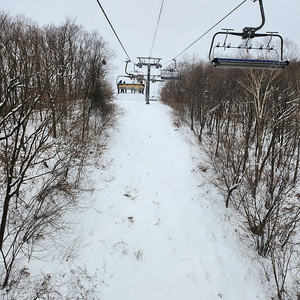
(55, 109)
(247, 121)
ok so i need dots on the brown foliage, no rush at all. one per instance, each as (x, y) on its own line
(248, 122)
(54, 106)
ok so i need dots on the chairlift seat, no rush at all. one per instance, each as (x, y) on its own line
(130, 85)
(170, 77)
(249, 64)
(133, 86)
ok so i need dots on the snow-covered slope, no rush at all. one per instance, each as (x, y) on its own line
(157, 229)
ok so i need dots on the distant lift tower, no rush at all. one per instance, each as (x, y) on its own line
(149, 62)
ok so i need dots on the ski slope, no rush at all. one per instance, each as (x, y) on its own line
(157, 228)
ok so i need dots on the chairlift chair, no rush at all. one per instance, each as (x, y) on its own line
(248, 63)
(170, 74)
(133, 87)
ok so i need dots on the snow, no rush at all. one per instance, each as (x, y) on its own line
(157, 228)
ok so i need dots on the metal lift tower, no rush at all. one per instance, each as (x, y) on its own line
(149, 62)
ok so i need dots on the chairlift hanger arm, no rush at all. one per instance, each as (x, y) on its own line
(126, 64)
(249, 32)
(175, 67)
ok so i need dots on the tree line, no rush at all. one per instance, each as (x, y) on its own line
(55, 108)
(248, 123)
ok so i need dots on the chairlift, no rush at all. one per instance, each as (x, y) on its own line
(136, 84)
(170, 74)
(248, 34)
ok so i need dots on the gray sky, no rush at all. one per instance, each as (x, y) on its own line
(182, 21)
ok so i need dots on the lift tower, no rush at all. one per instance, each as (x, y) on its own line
(148, 62)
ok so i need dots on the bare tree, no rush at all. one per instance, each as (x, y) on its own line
(46, 136)
(249, 123)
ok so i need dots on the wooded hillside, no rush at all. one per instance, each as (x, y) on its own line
(55, 105)
(248, 123)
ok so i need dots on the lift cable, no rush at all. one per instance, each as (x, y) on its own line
(161, 7)
(206, 32)
(113, 30)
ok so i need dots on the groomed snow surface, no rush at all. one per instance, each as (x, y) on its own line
(157, 227)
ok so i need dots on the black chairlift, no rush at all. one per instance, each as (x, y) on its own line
(246, 63)
(170, 74)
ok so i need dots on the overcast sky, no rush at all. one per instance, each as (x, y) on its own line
(182, 21)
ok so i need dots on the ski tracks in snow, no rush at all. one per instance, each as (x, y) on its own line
(154, 232)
